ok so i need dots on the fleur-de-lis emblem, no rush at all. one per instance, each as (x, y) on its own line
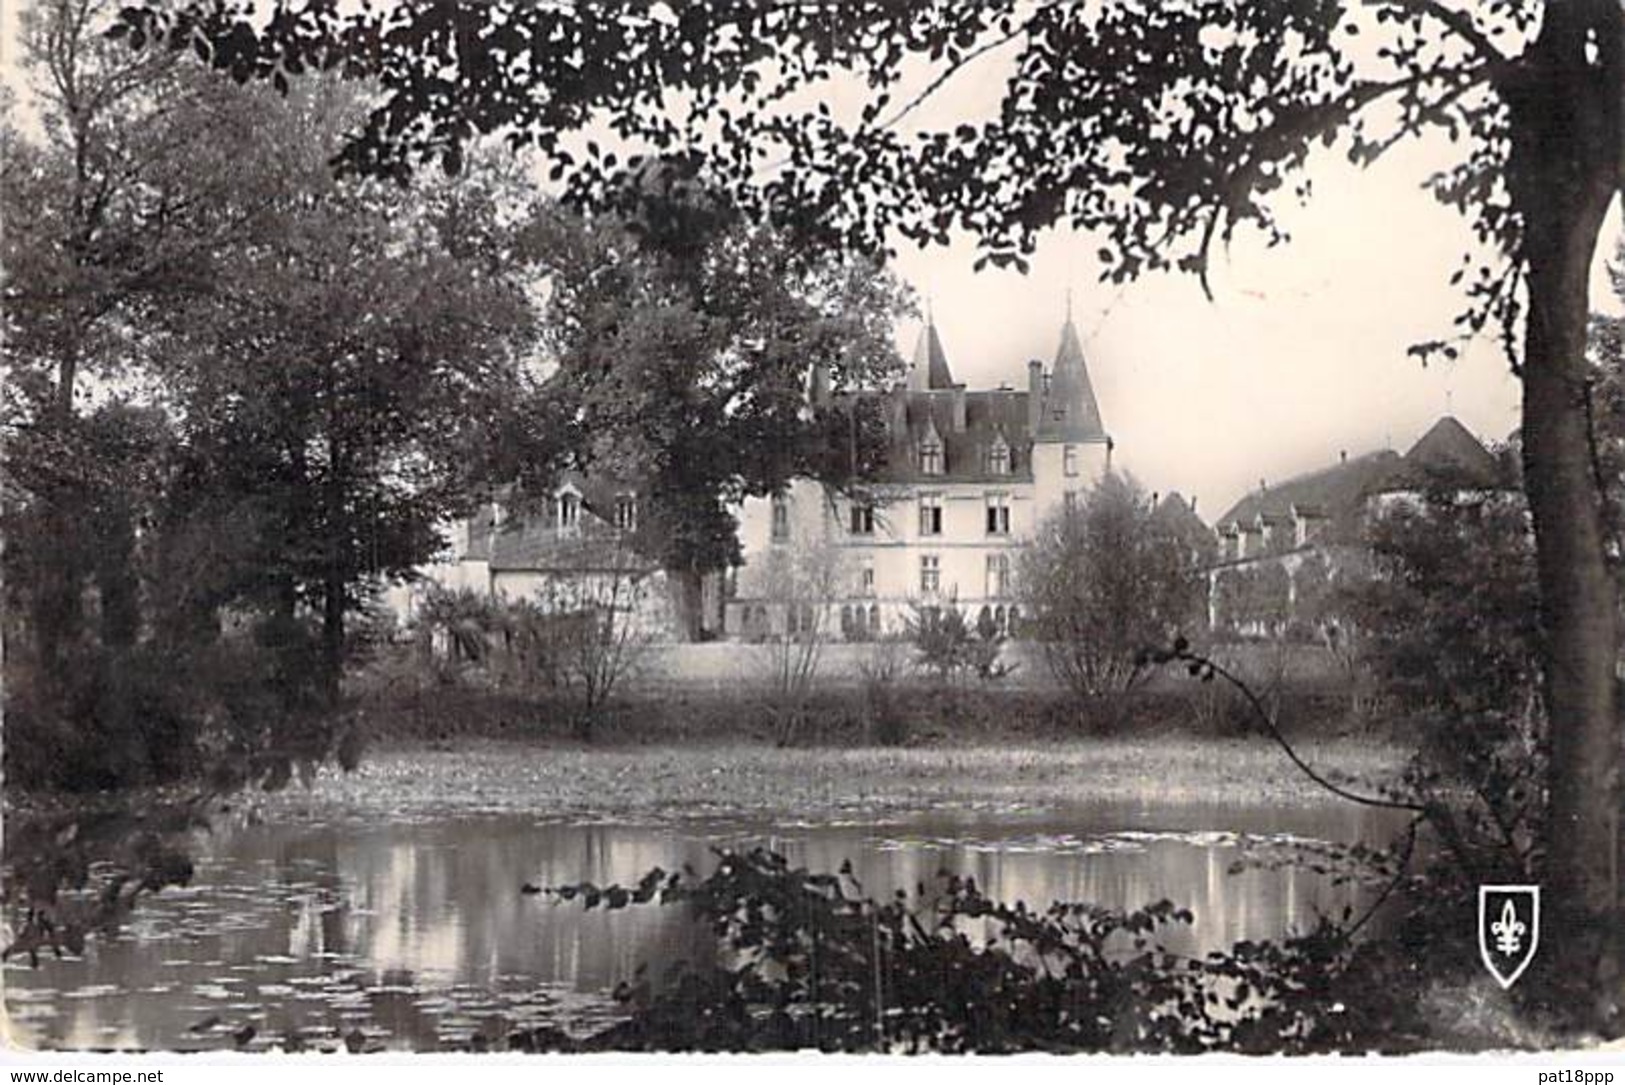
(1508, 930)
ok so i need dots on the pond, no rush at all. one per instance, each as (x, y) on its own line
(414, 933)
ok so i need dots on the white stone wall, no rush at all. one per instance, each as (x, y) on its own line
(1051, 482)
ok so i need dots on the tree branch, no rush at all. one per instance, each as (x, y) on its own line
(1459, 22)
(948, 73)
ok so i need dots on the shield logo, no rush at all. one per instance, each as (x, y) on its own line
(1508, 929)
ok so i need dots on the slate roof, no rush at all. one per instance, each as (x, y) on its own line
(1447, 453)
(929, 369)
(925, 403)
(1335, 490)
(1174, 512)
(989, 416)
(532, 541)
(1070, 412)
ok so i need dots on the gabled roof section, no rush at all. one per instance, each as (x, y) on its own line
(929, 370)
(1070, 412)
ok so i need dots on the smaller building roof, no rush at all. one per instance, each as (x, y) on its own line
(1447, 454)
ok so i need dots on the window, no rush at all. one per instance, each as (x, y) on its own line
(626, 512)
(874, 621)
(998, 458)
(862, 519)
(930, 514)
(931, 456)
(781, 519)
(569, 511)
(866, 578)
(930, 574)
(998, 514)
(1069, 461)
(998, 575)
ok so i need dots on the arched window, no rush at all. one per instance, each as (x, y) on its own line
(874, 621)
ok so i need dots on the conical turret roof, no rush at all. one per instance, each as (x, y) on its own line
(930, 369)
(1070, 412)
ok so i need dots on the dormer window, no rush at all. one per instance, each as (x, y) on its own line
(931, 455)
(569, 510)
(626, 512)
(998, 457)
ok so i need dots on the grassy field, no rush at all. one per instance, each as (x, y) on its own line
(710, 780)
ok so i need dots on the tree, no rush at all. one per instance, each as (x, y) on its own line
(800, 580)
(1447, 621)
(1101, 582)
(683, 339)
(121, 202)
(337, 380)
(1164, 125)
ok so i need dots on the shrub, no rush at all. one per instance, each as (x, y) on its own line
(808, 961)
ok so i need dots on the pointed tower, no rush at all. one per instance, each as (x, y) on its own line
(1071, 450)
(1070, 412)
(929, 371)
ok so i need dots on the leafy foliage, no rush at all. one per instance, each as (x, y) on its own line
(808, 961)
(1102, 581)
(683, 340)
(1449, 625)
(950, 646)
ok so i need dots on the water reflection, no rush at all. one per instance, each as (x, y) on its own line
(417, 936)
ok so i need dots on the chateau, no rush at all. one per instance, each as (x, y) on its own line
(968, 475)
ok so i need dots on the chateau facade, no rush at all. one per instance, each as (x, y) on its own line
(967, 478)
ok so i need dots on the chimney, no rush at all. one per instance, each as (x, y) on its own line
(1343, 456)
(959, 408)
(1193, 502)
(1035, 396)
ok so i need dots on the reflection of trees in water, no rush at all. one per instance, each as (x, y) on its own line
(399, 925)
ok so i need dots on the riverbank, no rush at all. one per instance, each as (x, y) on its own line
(733, 779)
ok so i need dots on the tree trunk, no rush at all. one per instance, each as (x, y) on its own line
(332, 632)
(1566, 132)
